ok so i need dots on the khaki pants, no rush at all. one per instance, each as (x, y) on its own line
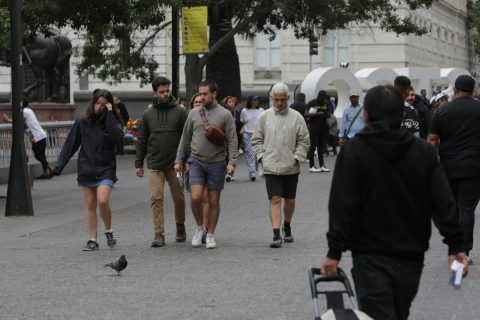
(157, 183)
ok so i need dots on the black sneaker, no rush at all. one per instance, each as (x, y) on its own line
(276, 243)
(252, 178)
(91, 245)
(287, 234)
(111, 240)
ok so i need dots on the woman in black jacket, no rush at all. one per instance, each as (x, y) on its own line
(98, 133)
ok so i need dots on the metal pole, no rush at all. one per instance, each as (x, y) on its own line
(311, 63)
(19, 198)
(175, 52)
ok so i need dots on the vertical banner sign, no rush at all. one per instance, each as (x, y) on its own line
(194, 30)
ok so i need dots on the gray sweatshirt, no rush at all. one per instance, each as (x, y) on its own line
(194, 141)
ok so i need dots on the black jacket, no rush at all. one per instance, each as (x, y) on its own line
(386, 189)
(96, 159)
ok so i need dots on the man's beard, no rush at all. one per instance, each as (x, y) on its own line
(208, 103)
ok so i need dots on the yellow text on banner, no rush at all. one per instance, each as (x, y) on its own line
(194, 30)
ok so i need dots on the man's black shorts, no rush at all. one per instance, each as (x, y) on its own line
(284, 186)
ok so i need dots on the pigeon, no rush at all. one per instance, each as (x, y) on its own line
(118, 265)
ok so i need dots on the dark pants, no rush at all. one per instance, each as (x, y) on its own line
(317, 140)
(467, 194)
(39, 148)
(386, 286)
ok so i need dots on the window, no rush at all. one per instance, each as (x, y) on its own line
(268, 56)
(335, 47)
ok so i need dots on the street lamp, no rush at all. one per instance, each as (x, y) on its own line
(19, 198)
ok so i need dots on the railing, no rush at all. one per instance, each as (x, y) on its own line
(57, 133)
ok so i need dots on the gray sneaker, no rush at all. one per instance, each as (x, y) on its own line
(111, 240)
(181, 235)
(276, 243)
(158, 240)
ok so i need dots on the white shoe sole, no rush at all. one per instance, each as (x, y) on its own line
(197, 245)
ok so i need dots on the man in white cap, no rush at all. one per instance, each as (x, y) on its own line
(352, 119)
(441, 99)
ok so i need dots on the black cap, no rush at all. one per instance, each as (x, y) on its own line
(465, 83)
(252, 97)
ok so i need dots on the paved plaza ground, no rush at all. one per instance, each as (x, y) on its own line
(45, 275)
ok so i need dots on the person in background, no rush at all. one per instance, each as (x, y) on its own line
(441, 99)
(182, 103)
(96, 134)
(158, 138)
(422, 106)
(229, 103)
(318, 111)
(300, 105)
(122, 109)
(249, 117)
(238, 125)
(332, 134)
(37, 136)
(410, 118)
(352, 119)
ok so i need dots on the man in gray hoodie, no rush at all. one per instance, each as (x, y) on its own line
(206, 163)
(281, 142)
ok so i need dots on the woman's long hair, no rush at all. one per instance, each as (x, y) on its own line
(192, 100)
(91, 117)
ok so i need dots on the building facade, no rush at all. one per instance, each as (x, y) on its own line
(286, 59)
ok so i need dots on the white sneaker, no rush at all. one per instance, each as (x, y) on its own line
(211, 244)
(197, 237)
(314, 169)
(240, 151)
(324, 169)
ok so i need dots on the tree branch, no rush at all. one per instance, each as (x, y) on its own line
(150, 37)
(238, 27)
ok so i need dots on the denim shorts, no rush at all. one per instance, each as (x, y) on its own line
(210, 174)
(92, 183)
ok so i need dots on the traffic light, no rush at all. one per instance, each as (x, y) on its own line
(313, 46)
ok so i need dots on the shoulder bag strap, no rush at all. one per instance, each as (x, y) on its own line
(203, 116)
(353, 121)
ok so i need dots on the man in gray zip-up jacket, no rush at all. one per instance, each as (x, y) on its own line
(281, 142)
(207, 161)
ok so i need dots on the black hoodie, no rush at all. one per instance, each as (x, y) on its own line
(387, 187)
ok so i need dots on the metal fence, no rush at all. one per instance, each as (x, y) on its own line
(57, 133)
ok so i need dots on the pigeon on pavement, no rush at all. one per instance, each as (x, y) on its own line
(118, 265)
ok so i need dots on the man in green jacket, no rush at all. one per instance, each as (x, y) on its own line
(158, 138)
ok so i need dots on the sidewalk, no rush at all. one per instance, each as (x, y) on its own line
(45, 275)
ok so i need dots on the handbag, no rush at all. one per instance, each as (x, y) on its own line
(213, 133)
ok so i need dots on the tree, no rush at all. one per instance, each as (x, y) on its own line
(473, 12)
(119, 34)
